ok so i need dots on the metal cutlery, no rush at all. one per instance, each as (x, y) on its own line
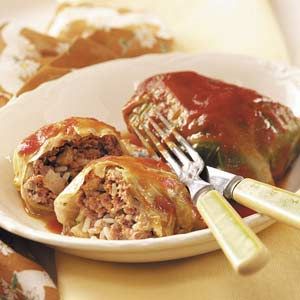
(242, 247)
(277, 203)
(282, 205)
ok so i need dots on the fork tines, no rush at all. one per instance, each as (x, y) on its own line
(155, 131)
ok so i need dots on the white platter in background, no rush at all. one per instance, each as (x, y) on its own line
(100, 91)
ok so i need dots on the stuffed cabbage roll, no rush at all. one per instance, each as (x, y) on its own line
(47, 161)
(233, 128)
(117, 198)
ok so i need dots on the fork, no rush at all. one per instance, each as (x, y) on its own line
(243, 249)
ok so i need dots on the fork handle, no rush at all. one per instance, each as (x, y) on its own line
(239, 243)
(277, 203)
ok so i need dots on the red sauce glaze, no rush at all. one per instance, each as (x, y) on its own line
(53, 225)
(169, 182)
(33, 142)
(242, 210)
(49, 220)
(164, 205)
(220, 105)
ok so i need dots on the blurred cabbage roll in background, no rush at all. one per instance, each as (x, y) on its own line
(126, 33)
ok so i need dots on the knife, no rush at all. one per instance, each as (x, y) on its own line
(280, 204)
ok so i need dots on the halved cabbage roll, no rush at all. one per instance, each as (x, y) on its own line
(117, 198)
(47, 161)
(233, 128)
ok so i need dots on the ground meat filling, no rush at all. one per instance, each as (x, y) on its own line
(56, 168)
(108, 211)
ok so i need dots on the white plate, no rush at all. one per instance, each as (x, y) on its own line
(100, 91)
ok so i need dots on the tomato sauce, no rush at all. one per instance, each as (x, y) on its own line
(48, 219)
(53, 225)
(242, 210)
(219, 110)
(37, 139)
(33, 142)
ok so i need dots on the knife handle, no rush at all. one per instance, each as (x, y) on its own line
(244, 250)
(277, 203)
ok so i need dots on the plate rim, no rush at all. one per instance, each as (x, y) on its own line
(167, 242)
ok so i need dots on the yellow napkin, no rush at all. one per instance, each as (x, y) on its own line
(205, 277)
(238, 26)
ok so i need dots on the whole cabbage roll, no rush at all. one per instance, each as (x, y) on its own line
(233, 128)
(117, 198)
(47, 160)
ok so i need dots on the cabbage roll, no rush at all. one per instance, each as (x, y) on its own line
(124, 198)
(46, 161)
(233, 128)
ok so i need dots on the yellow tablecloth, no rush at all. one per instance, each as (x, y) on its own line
(205, 277)
(239, 26)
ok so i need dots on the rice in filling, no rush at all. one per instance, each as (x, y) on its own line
(108, 210)
(56, 168)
